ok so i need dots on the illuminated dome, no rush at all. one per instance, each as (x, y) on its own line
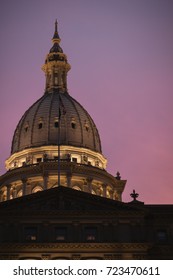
(39, 125)
(56, 142)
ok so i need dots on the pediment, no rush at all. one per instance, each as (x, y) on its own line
(62, 198)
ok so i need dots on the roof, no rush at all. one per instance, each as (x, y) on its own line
(39, 125)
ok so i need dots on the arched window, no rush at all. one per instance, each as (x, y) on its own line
(37, 189)
(19, 194)
(76, 188)
(56, 124)
(40, 123)
(73, 123)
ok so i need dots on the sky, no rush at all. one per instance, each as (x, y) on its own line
(121, 54)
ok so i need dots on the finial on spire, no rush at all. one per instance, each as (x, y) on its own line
(56, 25)
(56, 38)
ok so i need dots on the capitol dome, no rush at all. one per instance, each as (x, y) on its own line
(39, 125)
(56, 142)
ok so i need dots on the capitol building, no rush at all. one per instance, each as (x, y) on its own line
(57, 201)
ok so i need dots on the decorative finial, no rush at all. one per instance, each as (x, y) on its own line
(56, 38)
(134, 195)
(56, 25)
(118, 177)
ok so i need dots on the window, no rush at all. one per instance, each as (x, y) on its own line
(56, 158)
(56, 80)
(39, 159)
(40, 125)
(91, 234)
(77, 188)
(73, 125)
(161, 236)
(60, 234)
(85, 159)
(86, 126)
(20, 193)
(26, 126)
(56, 124)
(37, 189)
(30, 234)
(74, 159)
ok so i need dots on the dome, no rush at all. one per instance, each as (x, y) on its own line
(39, 125)
(56, 142)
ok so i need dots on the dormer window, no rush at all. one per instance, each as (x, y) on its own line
(40, 125)
(56, 124)
(73, 123)
(86, 126)
(26, 127)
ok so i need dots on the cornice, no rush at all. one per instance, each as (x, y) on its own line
(51, 168)
(118, 247)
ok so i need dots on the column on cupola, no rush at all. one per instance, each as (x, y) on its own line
(104, 186)
(24, 182)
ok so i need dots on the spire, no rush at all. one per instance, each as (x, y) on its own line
(56, 66)
(56, 38)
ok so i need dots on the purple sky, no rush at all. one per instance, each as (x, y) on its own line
(121, 53)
